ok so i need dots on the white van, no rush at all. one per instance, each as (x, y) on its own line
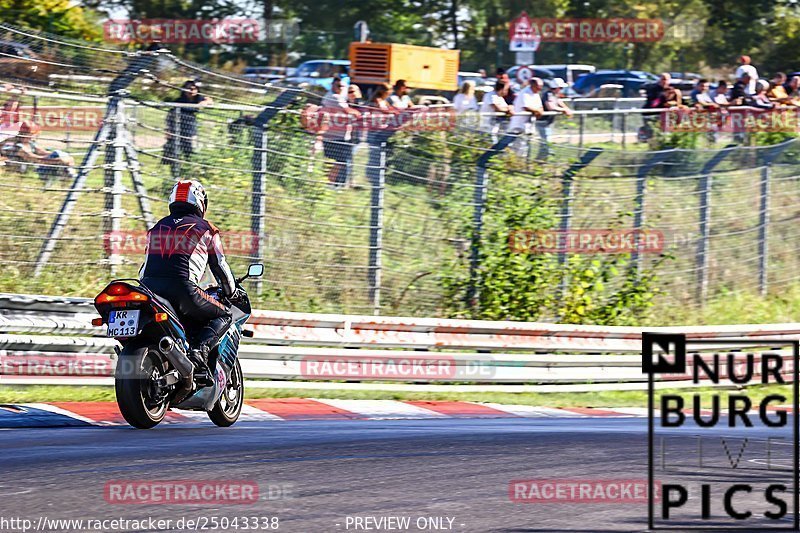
(569, 73)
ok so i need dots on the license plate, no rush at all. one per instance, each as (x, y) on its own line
(123, 323)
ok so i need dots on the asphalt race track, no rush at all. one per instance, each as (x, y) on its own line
(321, 475)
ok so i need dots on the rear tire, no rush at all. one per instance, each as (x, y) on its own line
(136, 367)
(229, 406)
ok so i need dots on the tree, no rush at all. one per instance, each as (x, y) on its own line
(62, 17)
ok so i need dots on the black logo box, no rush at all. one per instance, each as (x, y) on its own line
(674, 346)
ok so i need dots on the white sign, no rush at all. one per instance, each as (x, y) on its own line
(524, 74)
(521, 35)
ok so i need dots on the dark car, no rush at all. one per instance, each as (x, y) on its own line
(19, 63)
(631, 81)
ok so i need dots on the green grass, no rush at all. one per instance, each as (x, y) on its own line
(42, 393)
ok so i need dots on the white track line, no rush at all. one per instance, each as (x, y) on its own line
(382, 409)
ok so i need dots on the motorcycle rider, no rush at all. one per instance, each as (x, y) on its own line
(179, 248)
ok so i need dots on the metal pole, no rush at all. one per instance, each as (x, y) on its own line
(767, 157)
(566, 204)
(377, 171)
(704, 188)
(581, 124)
(641, 201)
(624, 129)
(479, 202)
(259, 201)
(118, 167)
(763, 229)
(177, 135)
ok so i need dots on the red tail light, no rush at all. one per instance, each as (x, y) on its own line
(119, 292)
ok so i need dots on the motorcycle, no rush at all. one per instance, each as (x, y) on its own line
(153, 361)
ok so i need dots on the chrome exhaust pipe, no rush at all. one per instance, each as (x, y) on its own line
(175, 355)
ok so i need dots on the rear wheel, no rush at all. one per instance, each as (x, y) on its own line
(138, 369)
(229, 406)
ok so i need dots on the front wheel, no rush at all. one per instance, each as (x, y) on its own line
(229, 406)
(138, 368)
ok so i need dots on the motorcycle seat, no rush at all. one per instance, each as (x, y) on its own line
(165, 303)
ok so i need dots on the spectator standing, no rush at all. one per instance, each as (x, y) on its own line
(661, 95)
(355, 101)
(746, 68)
(465, 100)
(400, 99)
(739, 91)
(552, 101)
(760, 99)
(792, 88)
(527, 104)
(492, 105)
(721, 94)
(701, 98)
(182, 124)
(658, 95)
(338, 133)
(777, 91)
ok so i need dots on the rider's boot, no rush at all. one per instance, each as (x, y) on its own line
(203, 375)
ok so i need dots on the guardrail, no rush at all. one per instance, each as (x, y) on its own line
(51, 340)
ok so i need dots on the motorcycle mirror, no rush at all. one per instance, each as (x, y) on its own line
(255, 271)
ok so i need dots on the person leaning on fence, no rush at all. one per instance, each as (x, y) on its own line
(464, 100)
(739, 91)
(494, 109)
(182, 123)
(721, 94)
(777, 91)
(759, 99)
(658, 95)
(355, 100)
(792, 90)
(337, 132)
(22, 150)
(527, 106)
(399, 99)
(551, 101)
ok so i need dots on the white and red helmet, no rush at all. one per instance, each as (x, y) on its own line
(190, 192)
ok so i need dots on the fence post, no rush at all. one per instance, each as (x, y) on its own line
(177, 135)
(479, 202)
(566, 203)
(767, 157)
(258, 166)
(641, 201)
(624, 125)
(704, 188)
(581, 125)
(763, 229)
(376, 175)
(113, 168)
(259, 201)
